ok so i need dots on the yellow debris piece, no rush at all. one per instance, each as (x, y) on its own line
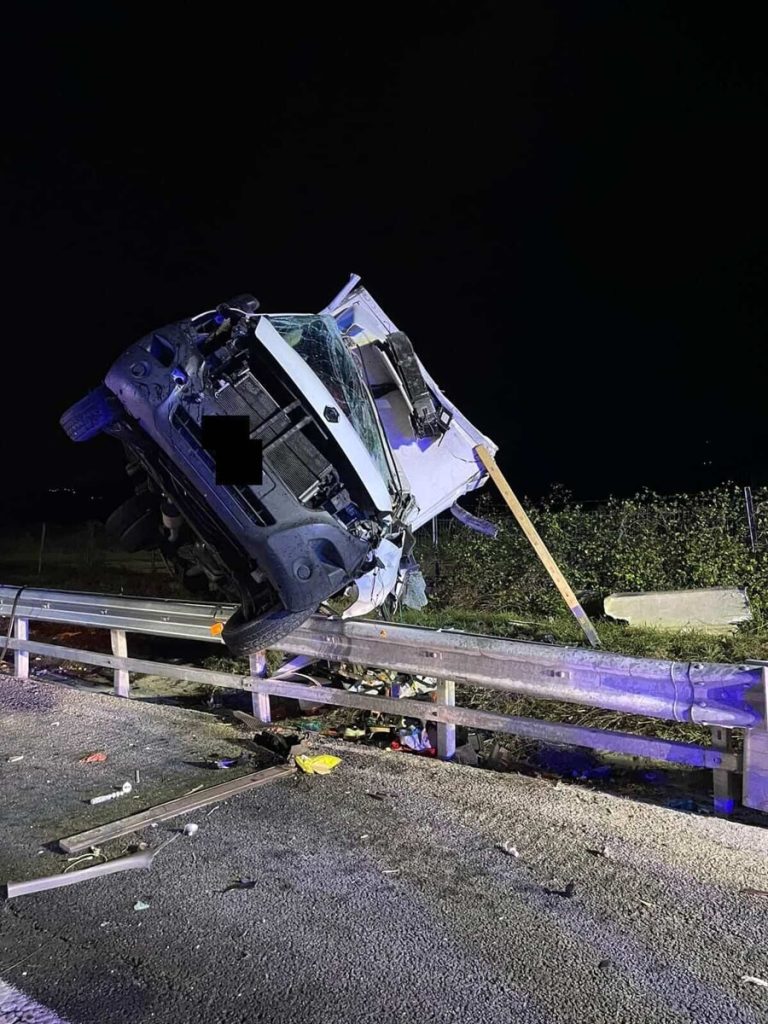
(319, 764)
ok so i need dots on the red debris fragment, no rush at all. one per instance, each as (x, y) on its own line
(94, 758)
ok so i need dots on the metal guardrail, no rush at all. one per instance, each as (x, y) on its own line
(722, 697)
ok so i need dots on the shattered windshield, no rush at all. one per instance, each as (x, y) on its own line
(318, 341)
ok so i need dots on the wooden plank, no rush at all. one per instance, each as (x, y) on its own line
(538, 545)
(172, 809)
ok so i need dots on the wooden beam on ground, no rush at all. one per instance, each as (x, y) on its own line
(538, 545)
(172, 809)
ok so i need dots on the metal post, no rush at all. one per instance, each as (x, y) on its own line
(725, 783)
(755, 778)
(446, 734)
(40, 553)
(261, 706)
(750, 517)
(21, 658)
(120, 650)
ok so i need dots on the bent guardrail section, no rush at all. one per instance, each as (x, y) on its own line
(723, 697)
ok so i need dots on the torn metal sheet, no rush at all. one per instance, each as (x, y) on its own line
(474, 522)
(712, 609)
(137, 860)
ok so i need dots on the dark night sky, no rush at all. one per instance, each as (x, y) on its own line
(565, 210)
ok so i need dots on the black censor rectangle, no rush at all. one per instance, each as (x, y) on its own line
(238, 459)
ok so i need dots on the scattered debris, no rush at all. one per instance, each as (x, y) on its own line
(313, 725)
(383, 682)
(571, 762)
(378, 796)
(754, 892)
(469, 752)
(415, 739)
(499, 759)
(190, 829)
(228, 762)
(140, 905)
(123, 791)
(172, 809)
(598, 851)
(138, 860)
(73, 862)
(98, 757)
(240, 883)
(276, 742)
(250, 720)
(14, 758)
(681, 804)
(22, 960)
(508, 848)
(137, 776)
(317, 764)
(754, 981)
(352, 732)
(568, 891)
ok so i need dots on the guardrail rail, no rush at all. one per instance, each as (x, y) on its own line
(724, 698)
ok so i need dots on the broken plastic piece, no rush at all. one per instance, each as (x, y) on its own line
(140, 905)
(474, 522)
(226, 762)
(414, 594)
(96, 758)
(123, 791)
(319, 764)
(507, 847)
(241, 883)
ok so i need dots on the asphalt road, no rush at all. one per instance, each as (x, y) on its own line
(381, 892)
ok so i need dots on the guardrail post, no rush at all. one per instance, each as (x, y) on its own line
(754, 791)
(725, 783)
(446, 733)
(261, 705)
(21, 658)
(120, 650)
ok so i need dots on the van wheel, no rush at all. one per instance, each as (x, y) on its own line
(244, 636)
(135, 525)
(92, 414)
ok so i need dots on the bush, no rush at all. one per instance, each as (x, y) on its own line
(648, 542)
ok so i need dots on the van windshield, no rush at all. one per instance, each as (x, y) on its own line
(318, 341)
